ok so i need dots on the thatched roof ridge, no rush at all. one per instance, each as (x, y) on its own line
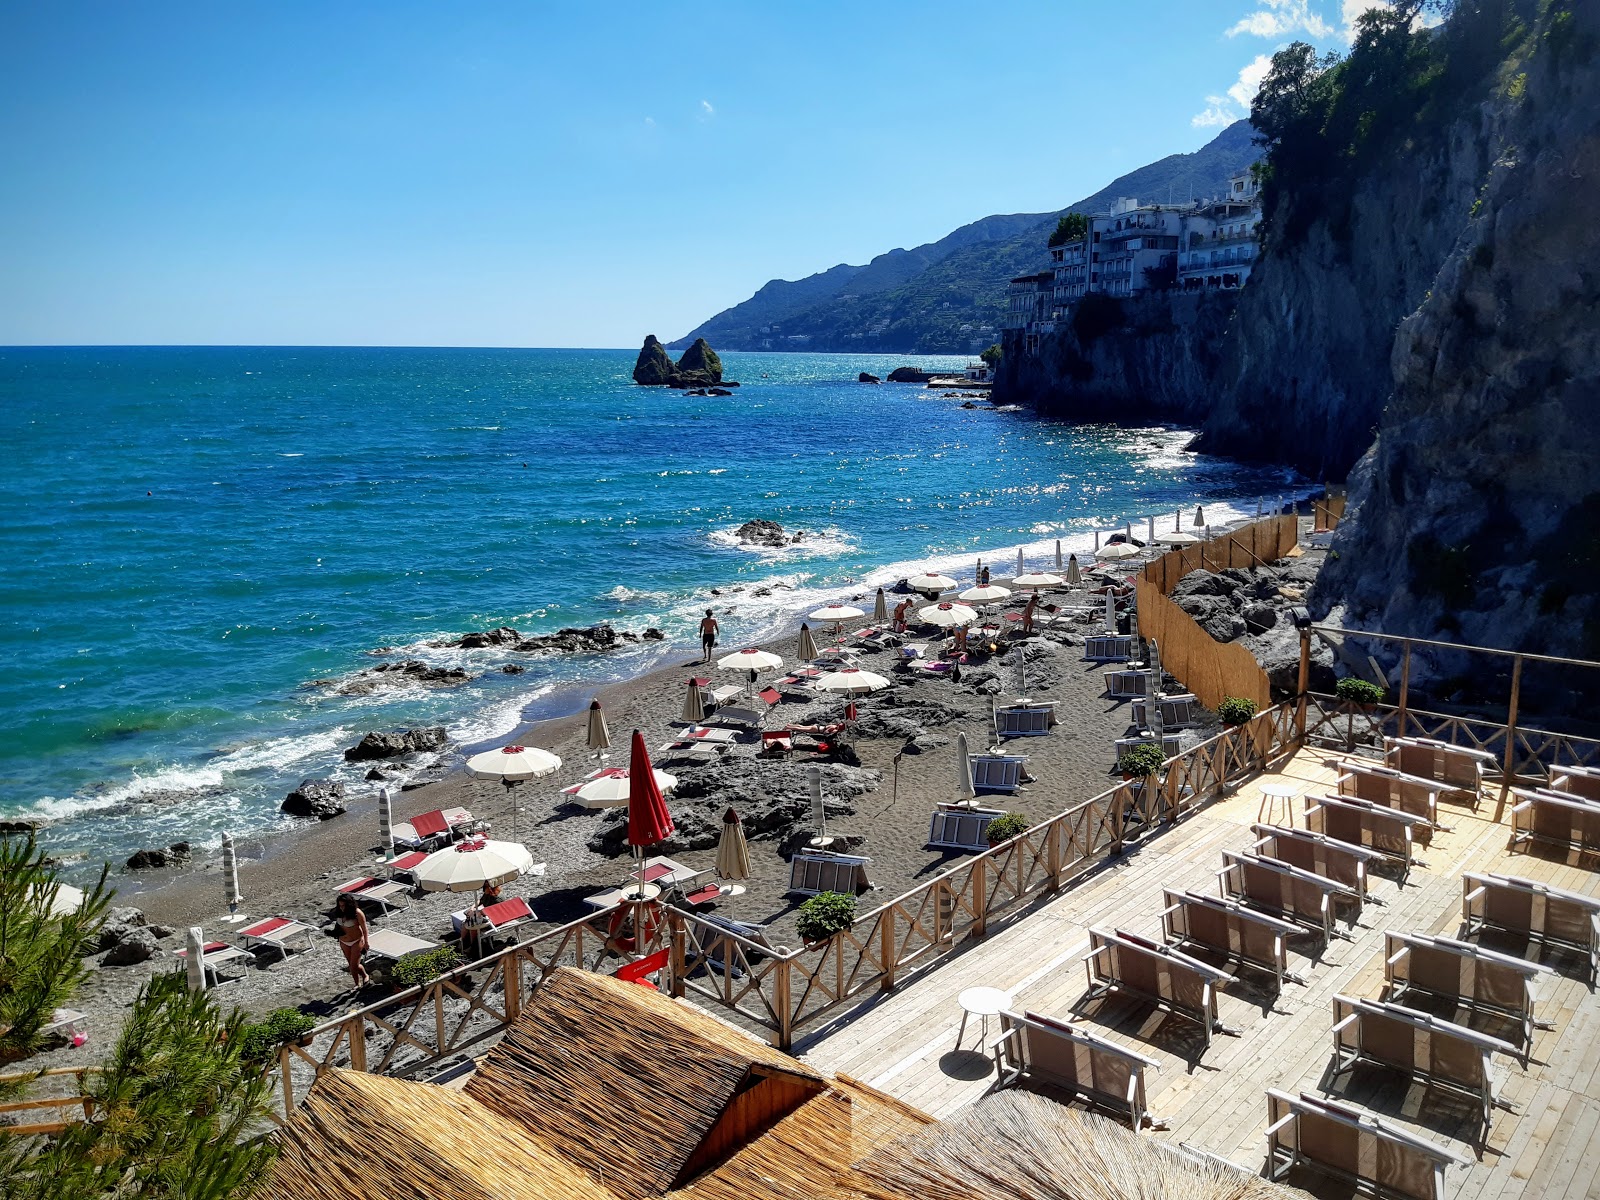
(623, 1081)
(371, 1137)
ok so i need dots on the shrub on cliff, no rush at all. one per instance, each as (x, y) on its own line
(993, 355)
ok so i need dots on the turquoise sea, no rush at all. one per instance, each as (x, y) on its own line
(191, 536)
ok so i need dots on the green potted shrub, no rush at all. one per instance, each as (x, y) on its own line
(825, 915)
(259, 1040)
(1236, 710)
(1141, 761)
(1005, 827)
(1358, 692)
(423, 966)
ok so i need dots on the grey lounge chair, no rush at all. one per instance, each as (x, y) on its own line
(1392, 833)
(1119, 962)
(1231, 928)
(1282, 890)
(1317, 853)
(1470, 975)
(1351, 1144)
(1097, 1071)
(1459, 770)
(1548, 915)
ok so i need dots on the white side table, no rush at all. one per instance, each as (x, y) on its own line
(1272, 796)
(982, 1002)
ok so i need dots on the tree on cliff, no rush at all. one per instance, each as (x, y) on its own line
(992, 356)
(1073, 227)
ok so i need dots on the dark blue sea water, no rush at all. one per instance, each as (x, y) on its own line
(191, 536)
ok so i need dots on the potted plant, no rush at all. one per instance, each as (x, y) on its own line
(1236, 710)
(1141, 761)
(423, 966)
(1359, 692)
(260, 1039)
(824, 916)
(1005, 827)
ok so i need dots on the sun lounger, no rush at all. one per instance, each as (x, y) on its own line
(776, 743)
(814, 871)
(1276, 887)
(997, 772)
(1177, 712)
(1024, 720)
(1556, 820)
(1583, 782)
(212, 956)
(1458, 770)
(1125, 963)
(1171, 744)
(1548, 915)
(1231, 928)
(707, 734)
(721, 694)
(431, 830)
(1094, 1070)
(1351, 1144)
(64, 1023)
(724, 955)
(497, 919)
(1317, 853)
(1121, 684)
(1428, 1048)
(1467, 974)
(1392, 833)
(277, 933)
(1108, 647)
(1380, 785)
(387, 947)
(370, 890)
(954, 827)
(880, 639)
(405, 864)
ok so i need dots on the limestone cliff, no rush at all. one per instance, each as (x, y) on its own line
(1475, 516)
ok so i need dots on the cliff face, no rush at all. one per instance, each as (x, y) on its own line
(1475, 516)
(1154, 357)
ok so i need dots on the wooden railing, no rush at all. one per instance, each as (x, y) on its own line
(47, 1114)
(1252, 545)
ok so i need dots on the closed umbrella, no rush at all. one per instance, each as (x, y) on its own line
(819, 811)
(880, 607)
(806, 648)
(1152, 535)
(964, 786)
(1111, 612)
(386, 824)
(195, 958)
(850, 681)
(471, 863)
(230, 875)
(930, 581)
(977, 572)
(694, 706)
(948, 616)
(599, 738)
(649, 822)
(1058, 554)
(1199, 517)
(1020, 567)
(733, 851)
(1074, 571)
(1155, 660)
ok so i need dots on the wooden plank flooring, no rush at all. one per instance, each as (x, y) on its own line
(1548, 1147)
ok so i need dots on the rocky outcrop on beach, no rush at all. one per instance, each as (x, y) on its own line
(151, 860)
(772, 798)
(1250, 606)
(595, 639)
(761, 532)
(395, 674)
(909, 375)
(319, 798)
(395, 745)
(699, 367)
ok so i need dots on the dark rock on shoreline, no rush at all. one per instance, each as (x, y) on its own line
(761, 532)
(146, 860)
(395, 674)
(393, 745)
(503, 636)
(867, 377)
(319, 798)
(595, 639)
(909, 375)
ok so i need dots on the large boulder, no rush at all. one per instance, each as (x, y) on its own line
(867, 377)
(136, 946)
(699, 362)
(909, 375)
(319, 798)
(761, 532)
(155, 859)
(394, 745)
(503, 636)
(654, 366)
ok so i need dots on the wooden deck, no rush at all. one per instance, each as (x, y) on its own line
(1548, 1147)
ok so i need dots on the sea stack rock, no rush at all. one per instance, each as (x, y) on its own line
(699, 366)
(655, 367)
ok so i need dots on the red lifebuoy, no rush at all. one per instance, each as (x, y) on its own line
(627, 943)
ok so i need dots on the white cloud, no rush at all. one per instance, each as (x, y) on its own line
(1349, 10)
(1244, 89)
(649, 122)
(1279, 18)
(1215, 113)
(706, 111)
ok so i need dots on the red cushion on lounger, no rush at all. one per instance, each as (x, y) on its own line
(702, 895)
(357, 885)
(653, 873)
(429, 824)
(770, 695)
(262, 928)
(208, 948)
(507, 911)
(408, 860)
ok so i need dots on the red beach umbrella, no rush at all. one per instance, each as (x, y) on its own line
(649, 821)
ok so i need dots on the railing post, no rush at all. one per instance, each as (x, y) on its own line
(287, 1079)
(679, 936)
(1302, 687)
(886, 947)
(980, 890)
(1511, 737)
(355, 1032)
(1052, 842)
(438, 1014)
(781, 1002)
(1405, 687)
(1119, 805)
(511, 981)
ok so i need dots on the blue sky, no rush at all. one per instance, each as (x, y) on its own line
(513, 173)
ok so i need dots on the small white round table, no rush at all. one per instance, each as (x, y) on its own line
(1273, 795)
(982, 1002)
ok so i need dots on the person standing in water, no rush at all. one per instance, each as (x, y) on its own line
(708, 635)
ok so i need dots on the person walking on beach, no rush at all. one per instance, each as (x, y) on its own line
(708, 635)
(1027, 614)
(900, 616)
(983, 577)
(352, 923)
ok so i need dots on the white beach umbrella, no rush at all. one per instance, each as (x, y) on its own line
(837, 614)
(1038, 579)
(513, 764)
(964, 786)
(1199, 517)
(1117, 550)
(930, 581)
(1058, 554)
(468, 865)
(948, 616)
(851, 681)
(609, 789)
(694, 705)
(230, 874)
(805, 649)
(1177, 539)
(880, 607)
(750, 660)
(1074, 571)
(1020, 567)
(386, 824)
(733, 851)
(194, 965)
(599, 733)
(985, 595)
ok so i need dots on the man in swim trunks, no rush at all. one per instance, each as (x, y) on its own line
(708, 635)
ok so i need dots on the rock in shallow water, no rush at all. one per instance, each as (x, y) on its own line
(319, 798)
(393, 745)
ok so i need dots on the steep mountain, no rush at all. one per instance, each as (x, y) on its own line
(946, 297)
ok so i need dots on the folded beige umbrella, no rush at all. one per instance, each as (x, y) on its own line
(733, 851)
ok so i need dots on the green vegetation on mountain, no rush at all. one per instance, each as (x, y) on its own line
(1071, 228)
(948, 296)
